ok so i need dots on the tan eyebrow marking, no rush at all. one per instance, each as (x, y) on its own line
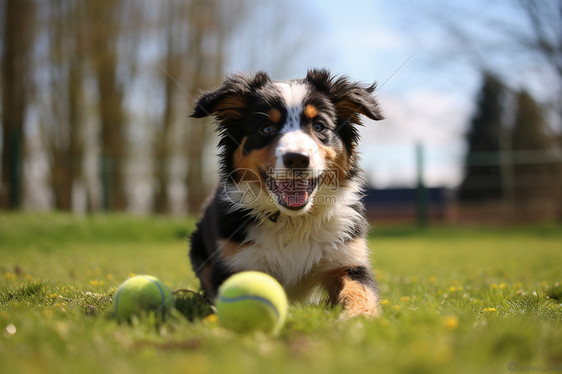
(274, 115)
(310, 111)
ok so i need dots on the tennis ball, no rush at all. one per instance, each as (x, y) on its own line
(251, 301)
(140, 295)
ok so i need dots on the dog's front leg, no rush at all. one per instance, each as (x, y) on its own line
(355, 289)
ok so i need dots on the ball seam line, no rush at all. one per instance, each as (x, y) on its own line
(117, 301)
(250, 297)
(163, 305)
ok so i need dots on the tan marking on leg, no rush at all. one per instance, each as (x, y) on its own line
(356, 298)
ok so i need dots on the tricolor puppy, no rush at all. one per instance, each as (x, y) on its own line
(289, 200)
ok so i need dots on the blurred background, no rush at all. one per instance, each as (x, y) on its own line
(96, 97)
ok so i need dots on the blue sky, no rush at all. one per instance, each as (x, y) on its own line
(427, 81)
(421, 105)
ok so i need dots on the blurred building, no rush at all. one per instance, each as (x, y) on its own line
(401, 205)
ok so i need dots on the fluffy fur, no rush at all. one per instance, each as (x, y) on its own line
(289, 198)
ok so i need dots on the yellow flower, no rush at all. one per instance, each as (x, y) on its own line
(490, 310)
(432, 279)
(60, 305)
(10, 276)
(212, 318)
(451, 322)
(385, 302)
(453, 289)
(94, 282)
(502, 286)
(405, 299)
(53, 296)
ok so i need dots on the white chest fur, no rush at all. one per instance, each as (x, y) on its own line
(294, 247)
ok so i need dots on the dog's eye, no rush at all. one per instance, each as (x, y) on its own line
(267, 129)
(318, 126)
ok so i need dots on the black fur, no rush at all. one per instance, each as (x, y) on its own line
(364, 276)
(217, 222)
(360, 228)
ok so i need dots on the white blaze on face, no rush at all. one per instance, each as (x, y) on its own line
(293, 139)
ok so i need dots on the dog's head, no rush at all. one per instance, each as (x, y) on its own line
(289, 139)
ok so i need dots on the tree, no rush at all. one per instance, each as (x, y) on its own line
(206, 46)
(483, 180)
(193, 59)
(537, 180)
(528, 42)
(112, 38)
(64, 138)
(87, 67)
(17, 46)
(545, 41)
(172, 66)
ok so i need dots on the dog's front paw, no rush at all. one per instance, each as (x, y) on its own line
(355, 289)
(358, 300)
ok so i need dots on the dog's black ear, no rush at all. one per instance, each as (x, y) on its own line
(349, 98)
(230, 100)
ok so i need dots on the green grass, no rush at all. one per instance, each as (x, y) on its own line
(454, 300)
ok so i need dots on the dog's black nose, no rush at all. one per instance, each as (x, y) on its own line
(296, 161)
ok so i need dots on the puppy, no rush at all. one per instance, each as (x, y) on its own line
(289, 198)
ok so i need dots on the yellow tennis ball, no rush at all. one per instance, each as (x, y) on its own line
(140, 295)
(252, 301)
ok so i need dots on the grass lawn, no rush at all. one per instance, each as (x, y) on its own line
(454, 300)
